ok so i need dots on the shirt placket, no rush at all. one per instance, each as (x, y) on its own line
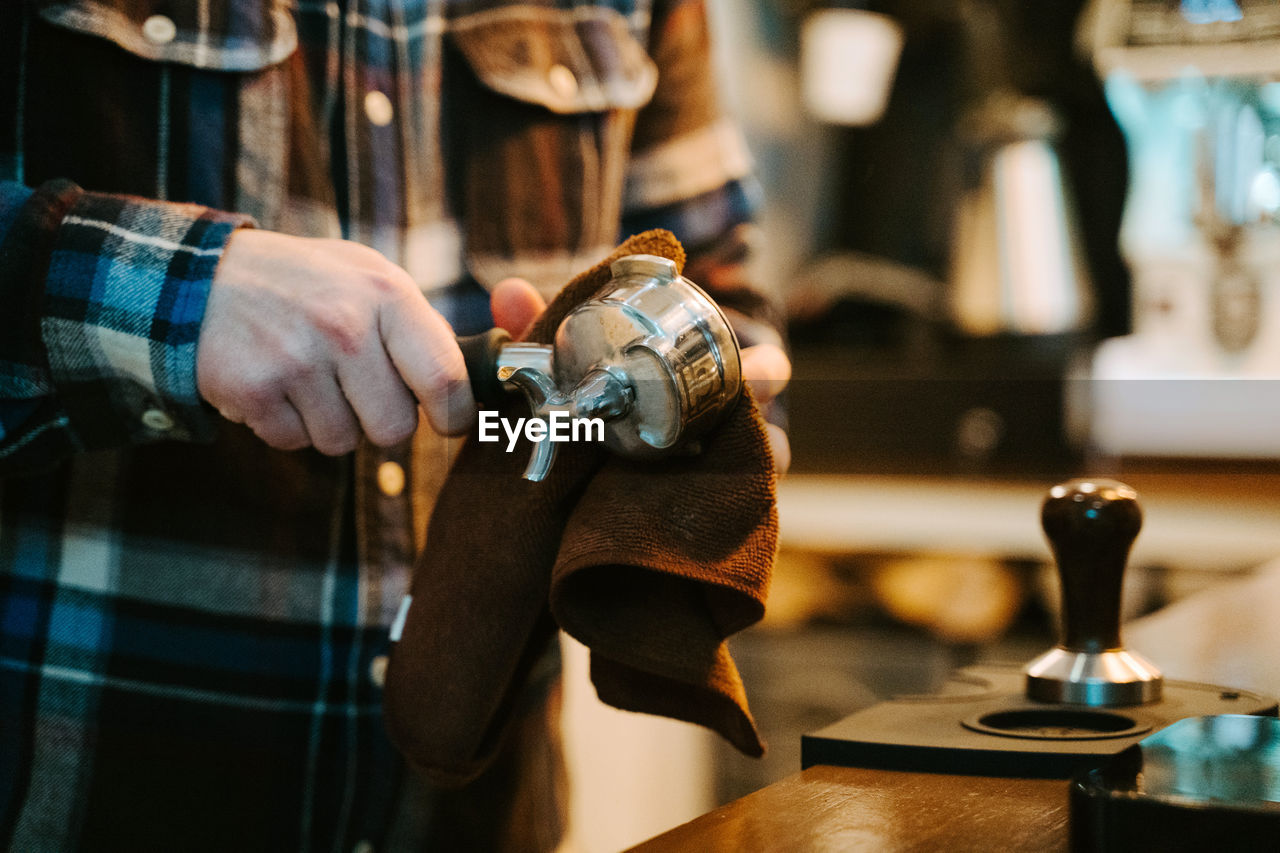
(389, 122)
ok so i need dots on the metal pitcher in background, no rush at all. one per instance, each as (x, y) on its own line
(1016, 262)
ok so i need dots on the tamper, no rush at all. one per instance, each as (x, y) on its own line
(1077, 704)
(1091, 525)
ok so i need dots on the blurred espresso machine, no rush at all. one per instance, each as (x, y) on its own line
(1195, 88)
(968, 268)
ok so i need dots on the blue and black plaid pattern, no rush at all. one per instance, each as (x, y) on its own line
(124, 296)
(30, 422)
(210, 653)
(191, 629)
(125, 283)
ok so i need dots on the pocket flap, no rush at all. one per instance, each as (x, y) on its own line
(226, 35)
(569, 61)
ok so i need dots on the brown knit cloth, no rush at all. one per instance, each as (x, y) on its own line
(651, 565)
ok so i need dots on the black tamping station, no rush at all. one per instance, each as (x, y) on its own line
(1081, 702)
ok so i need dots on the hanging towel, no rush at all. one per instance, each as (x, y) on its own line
(650, 564)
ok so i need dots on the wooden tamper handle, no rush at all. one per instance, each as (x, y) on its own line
(1091, 525)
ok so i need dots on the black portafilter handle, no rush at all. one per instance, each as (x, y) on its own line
(1091, 525)
(480, 352)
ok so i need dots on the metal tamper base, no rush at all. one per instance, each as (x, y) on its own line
(1096, 679)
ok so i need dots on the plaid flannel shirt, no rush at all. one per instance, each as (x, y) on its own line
(191, 623)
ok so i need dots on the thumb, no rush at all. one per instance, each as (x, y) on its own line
(515, 304)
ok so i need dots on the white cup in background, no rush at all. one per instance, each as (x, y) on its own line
(848, 59)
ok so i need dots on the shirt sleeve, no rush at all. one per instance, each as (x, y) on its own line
(102, 297)
(691, 173)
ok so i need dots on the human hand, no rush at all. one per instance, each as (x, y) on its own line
(767, 369)
(515, 304)
(312, 342)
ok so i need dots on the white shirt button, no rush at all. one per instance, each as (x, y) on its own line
(378, 670)
(378, 109)
(391, 479)
(562, 81)
(157, 419)
(159, 29)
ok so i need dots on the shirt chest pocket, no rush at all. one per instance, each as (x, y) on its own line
(148, 97)
(540, 106)
(228, 35)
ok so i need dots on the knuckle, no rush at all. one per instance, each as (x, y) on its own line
(259, 393)
(393, 429)
(296, 371)
(385, 281)
(338, 443)
(393, 289)
(342, 325)
(281, 362)
(437, 385)
(392, 281)
(280, 436)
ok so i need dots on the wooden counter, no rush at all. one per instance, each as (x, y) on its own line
(841, 808)
(1228, 635)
